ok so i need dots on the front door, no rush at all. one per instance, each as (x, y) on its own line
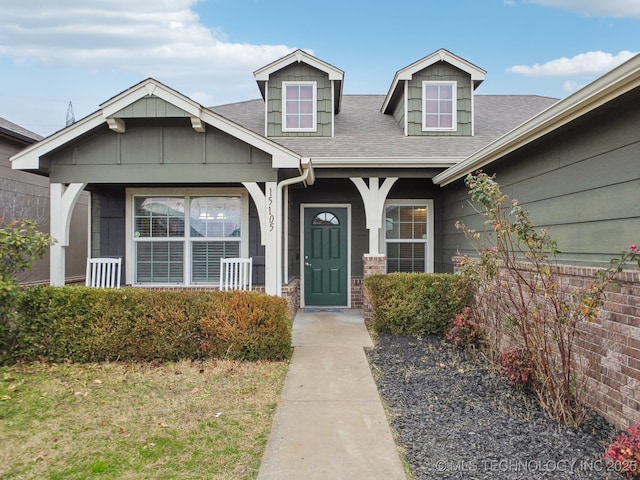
(325, 256)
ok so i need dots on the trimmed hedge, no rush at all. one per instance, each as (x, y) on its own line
(416, 303)
(81, 324)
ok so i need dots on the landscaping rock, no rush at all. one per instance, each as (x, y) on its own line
(457, 418)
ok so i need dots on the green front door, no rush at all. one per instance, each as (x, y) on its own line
(325, 256)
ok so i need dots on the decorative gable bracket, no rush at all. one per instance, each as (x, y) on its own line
(116, 124)
(198, 125)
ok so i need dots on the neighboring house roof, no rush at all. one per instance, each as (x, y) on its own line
(364, 136)
(617, 82)
(10, 129)
(29, 158)
(477, 74)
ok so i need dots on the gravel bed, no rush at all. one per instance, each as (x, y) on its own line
(458, 418)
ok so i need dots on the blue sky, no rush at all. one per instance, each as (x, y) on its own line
(86, 51)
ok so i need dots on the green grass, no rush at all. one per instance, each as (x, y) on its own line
(186, 420)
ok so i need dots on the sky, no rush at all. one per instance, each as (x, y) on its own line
(84, 52)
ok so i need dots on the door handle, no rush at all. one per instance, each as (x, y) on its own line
(307, 264)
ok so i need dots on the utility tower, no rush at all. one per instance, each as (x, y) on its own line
(71, 119)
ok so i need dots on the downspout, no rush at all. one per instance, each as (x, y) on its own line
(308, 177)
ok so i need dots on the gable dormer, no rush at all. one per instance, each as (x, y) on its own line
(302, 95)
(434, 96)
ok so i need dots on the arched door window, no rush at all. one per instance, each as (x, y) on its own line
(325, 218)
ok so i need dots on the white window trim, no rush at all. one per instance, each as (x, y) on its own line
(179, 192)
(454, 106)
(430, 249)
(314, 120)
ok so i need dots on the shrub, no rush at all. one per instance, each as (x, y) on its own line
(20, 245)
(83, 324)
(519, 293)
(416, 303)
(247, 326)
(624, 454)
(517, 367)
(465, 332)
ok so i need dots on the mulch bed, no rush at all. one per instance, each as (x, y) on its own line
(455, 417)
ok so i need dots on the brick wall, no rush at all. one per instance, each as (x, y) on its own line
(372, 264)
(357, 293)
(610, 346)
(291, 293)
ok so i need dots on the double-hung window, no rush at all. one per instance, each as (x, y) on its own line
(180, 239)
(299, 106)
(439, 106)
(408, 235)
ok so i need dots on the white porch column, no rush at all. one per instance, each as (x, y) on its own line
(266, 205)
(373, 197)
(63, 199)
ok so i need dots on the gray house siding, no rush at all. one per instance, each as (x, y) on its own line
(582, 182)
(293, 237)
(151, 107)
(440, 72)
(399, 111)
(157, 150)
(108, 222)
(256, 249)
(26, 196)
(300, 72)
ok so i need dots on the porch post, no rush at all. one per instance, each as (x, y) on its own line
(266, 206)
(373, 197)
(62, 200)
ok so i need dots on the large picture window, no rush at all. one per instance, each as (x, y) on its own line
(299, 106)
(180, 239)
(408, 232)
(439, 106)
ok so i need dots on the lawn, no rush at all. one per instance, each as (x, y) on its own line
(186, 420)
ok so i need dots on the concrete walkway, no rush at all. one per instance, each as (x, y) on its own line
(330, 423)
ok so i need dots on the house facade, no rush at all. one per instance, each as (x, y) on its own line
(25, 196)
(316, 186)
(322, 188)
(307, 181)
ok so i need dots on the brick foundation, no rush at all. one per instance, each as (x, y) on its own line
(357, 293)
(291, 293)
(611, 345)
(372, 264)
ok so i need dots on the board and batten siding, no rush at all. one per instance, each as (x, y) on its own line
(440, 72)
(582, 182)
(160, 151)
(300, 72)
(151, 107)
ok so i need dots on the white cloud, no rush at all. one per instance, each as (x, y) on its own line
(149, 38)
(588, 64)
(596, 8)
(571, 86)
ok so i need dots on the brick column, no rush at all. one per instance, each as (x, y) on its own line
(372, 264)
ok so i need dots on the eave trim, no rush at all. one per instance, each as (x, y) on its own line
(619, 81)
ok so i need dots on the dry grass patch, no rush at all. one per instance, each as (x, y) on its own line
(186, 420)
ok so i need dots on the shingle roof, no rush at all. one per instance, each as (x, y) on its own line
(18, 130)
(362, 130)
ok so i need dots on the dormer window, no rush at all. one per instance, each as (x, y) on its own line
(299, 106)
(439, 100)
